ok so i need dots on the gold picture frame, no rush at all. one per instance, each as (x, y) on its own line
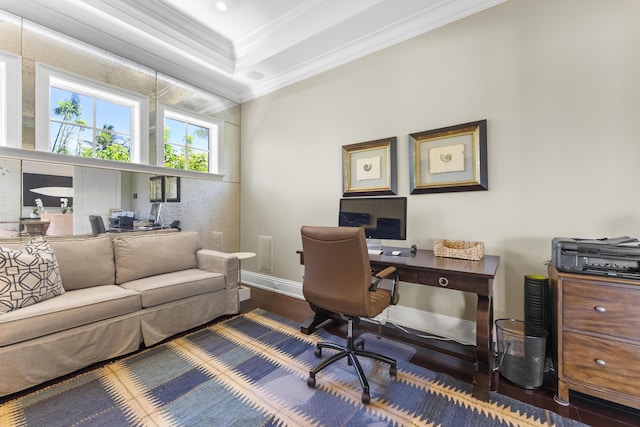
(369, 168)
(172, 188)
(449, 159)
(156, 189)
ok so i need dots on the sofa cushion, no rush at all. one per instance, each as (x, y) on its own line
(143, 255)
(73, 309)
(28, 275)
(174, 286)
(85, 262)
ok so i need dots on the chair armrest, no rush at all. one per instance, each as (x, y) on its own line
(219, 262)
(385, 273)
(389, 271)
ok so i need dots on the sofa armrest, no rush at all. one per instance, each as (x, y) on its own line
(219, 262)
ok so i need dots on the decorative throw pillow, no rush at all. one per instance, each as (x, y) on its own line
(28, 275)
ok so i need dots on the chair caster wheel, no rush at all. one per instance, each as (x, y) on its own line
(393, 370)
(311, 382)
(318, 352)
(366, 399)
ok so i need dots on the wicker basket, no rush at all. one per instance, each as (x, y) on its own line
(459, 249)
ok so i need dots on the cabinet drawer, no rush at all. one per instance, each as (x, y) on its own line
(602, 308)
(447, 280)
(606, 364)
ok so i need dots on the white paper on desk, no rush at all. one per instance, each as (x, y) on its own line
(118, 214)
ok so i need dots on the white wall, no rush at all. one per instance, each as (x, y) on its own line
(557, 81)
(10, 206)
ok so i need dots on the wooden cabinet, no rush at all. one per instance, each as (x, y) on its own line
(597, 336)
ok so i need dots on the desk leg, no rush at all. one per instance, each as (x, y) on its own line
(482, 383)
(309, 325)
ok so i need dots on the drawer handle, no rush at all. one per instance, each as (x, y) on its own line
(601, 309)
(443, 281)
(601, 362)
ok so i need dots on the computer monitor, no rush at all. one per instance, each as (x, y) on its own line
(154, 214)
(381, 217)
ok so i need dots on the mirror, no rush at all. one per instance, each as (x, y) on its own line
(208, 203)
(206, 206)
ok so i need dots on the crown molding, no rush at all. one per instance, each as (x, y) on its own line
(311, 38)
(302, 23)
(176, 32)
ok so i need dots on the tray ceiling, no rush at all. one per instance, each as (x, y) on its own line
(252, 48)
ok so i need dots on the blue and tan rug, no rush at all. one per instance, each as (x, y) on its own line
(251, 370)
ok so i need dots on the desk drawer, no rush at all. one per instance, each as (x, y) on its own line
(607, 364)
(405, 274)
(459, 282)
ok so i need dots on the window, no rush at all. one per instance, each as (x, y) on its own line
(190, 141)
(89, 118)
(10, 97)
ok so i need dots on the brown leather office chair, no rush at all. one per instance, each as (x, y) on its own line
(337, 278)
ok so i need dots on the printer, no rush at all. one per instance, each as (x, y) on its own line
(614, 257)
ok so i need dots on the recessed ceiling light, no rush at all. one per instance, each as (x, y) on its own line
(222, 6)
(255, 75)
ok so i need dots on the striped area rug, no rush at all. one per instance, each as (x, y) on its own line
(251, 370)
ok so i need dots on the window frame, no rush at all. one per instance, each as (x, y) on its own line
(215, 146)
(10, 94)
(47, 76)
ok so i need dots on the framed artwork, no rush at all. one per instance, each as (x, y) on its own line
(369, 168)
(172, 188)
(48, 188)
(449, 159)
(156, 189)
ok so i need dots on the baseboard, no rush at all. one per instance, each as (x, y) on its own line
(460, 330)
(275, 284)
(244, 293)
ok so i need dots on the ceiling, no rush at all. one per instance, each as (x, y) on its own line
(252, 48)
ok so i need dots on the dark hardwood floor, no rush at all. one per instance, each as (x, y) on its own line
(457, 360)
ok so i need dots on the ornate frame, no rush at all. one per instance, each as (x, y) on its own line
(369, 168)
(449, 159)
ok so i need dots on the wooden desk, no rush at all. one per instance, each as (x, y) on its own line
(468, 276)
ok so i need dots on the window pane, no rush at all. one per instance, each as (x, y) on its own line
(69, 139)
(175, 131)
(174, 157)
(198, 137)
(194, 139)
(121, 139)
(71, 107)
(112, 146)
(198, 160)
(113, 116)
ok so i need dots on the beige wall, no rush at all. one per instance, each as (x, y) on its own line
(557, 81)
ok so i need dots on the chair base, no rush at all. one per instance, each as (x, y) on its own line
(351, 351)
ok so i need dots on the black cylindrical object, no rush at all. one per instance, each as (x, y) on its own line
(537, 305)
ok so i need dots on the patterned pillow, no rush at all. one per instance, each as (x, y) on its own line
(28, 275)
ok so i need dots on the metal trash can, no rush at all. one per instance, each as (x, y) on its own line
(521, 357)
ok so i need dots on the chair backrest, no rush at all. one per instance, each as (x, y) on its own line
(337, 272)
(97, 224)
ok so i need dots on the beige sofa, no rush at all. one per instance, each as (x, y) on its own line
(120, 292)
